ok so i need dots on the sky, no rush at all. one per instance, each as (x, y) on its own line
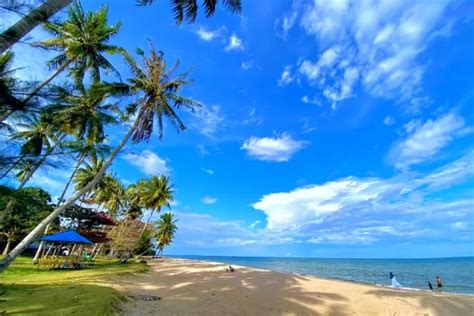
(328, 128)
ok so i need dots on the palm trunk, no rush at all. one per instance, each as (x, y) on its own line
(147, 222)
(7, 247)
(39, 15)
(5, 263)
(5, 115)
(38, 88)
(13, 165)
(41, 245)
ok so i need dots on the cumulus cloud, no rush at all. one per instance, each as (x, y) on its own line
(148, 162)
(424, 140)
(278, 148)
(235, 43)
(208, 200)
(370, 43)
(364, 210)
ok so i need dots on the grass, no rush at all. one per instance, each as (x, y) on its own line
(29, 291)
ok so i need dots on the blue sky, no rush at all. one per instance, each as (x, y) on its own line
(329, 128)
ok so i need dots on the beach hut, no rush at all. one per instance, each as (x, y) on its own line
(70, 237)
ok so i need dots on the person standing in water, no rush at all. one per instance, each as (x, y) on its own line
(439, 282)
(394, 281)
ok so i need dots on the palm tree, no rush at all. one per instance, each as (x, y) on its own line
(25, 25)
(165, 230)
(158, 92)
(82, 41)
(180, 8)
(110, 193)
(156, 193)
(37, 134)
(8, 100)
(188, 9)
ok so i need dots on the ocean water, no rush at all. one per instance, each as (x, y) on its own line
(457, 273)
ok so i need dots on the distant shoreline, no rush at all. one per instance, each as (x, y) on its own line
(337, 279)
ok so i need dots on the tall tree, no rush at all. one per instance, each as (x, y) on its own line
(156, 193)
(82, 40)
(165, 230)
(26, 24)
(8, 100)
(158, 92)
(181, 9)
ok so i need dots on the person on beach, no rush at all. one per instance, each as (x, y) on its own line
(394, 281)
(430, 285)
(229, 269)
(439, 282)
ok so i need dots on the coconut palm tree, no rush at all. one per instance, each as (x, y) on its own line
(181, 9)
(110, 193)
(165, 230)
(25, 25)
(156, 193)
(37, 134)
(82, 40)
(8, 100)
(158, 95)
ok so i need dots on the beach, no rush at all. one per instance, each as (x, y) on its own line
(186, 287)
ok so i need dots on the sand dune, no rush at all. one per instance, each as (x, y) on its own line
(200, 288)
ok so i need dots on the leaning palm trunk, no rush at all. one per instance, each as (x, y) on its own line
(5, 263)
(148, 222)
(23, 182)
(13, 165)
(41, 245)
(39, 15)
(37, 89)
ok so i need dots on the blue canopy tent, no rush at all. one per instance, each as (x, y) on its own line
(67, 237)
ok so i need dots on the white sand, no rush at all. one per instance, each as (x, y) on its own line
(202, 288)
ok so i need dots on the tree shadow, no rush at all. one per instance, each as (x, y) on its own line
(438, 303)
(207, 292)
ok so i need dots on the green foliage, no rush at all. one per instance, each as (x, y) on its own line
(188, 9)
(145, 246)
(8, 83)
(83, 39)
(28, 206)
(165, 229)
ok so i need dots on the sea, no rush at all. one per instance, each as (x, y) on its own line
(457, 274)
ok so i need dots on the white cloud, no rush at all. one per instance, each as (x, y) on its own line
(426, 140)
(366, 209)
(208, 200)
(255, 223)
(253, 118)
(247, 65)
(208, 171)
(283, 25)
(279, 149)
(148, 162)
(373, 43)
(208, 35)
(388, 120)
(207, 120)
(306, 125)
(235, 43)
(202, 150)
(285, 78)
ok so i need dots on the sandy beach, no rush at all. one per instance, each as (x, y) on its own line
(187, 287)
